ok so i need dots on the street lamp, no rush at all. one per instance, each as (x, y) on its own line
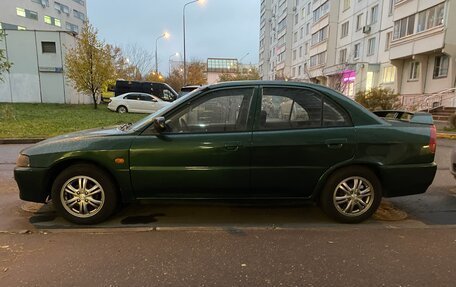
(183, 21)
(166, 36)
(169, 61)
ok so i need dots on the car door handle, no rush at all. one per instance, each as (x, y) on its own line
(335, 143)
(234, 146)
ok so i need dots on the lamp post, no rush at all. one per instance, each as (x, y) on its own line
(169, 61)
(183, 21)
(166, 36)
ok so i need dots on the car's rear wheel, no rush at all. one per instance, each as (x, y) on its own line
(84, 194)
(122, 110)
(351, 195)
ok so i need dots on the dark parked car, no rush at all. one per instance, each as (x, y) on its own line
(187, 89)
(243, 140)
(161, 90)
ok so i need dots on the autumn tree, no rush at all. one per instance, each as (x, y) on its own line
(378, 99)
(196, 75)
(4, 64)
(155, 77)
(243, 75)
(140, 58)
(124, 70)
(89, 65)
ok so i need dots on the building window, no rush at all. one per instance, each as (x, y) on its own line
(370, 46)
(48, 48)
(390, 7)
(346, 4)
(79, 1)
(62, 8)
(441, 64)
(389, 36)
(359, 22)
(414, 72)
(307, 29)
(343, 56)
(52, 21)
(79, 15)
(75, 28)
(299, 70)
(374, 14)
(301, 33)
(318, 59)
(404, 27)
(294, 55)
(356, 51)
(300, 52)
(44, 3)
(344, 29)
(293, 72)
(321, 11)
(389, 74)
(296, 19)
(26, 13)
(320, 36)
(282, 25)
(295, 37)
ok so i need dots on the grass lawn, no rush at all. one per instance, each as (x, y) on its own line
(47, 120)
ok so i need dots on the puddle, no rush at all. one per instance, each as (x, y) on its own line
(143, 219)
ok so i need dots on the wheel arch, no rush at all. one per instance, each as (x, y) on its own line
(374, 167)
(60, 166)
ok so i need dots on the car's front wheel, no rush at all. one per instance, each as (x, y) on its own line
(351, 195)
(84, 194)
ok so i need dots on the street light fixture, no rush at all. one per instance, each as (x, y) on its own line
(165, 35)
(201, 2)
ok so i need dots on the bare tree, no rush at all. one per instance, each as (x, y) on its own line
(140, 58)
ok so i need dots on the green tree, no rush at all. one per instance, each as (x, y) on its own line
(378, 99)
(4, 64)
(90, 64)
(243, 75)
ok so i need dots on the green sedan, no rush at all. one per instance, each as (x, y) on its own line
(239, 140)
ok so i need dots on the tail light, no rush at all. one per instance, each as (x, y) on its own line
(433, 139)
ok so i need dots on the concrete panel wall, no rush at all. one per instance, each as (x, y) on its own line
(24, 76)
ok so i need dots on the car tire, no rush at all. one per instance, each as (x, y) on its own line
(84, 194)
(351, 194)
(122, 110)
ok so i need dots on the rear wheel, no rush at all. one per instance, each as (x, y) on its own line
(122, 110)
(84, 194)
(351, 195)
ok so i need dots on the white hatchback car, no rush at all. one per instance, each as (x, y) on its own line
(136, 103)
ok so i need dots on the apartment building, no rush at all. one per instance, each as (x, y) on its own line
(423, 49)
(43, 15)
(354, 45)
(276, 26)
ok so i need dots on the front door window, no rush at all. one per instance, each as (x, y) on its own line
(219, 111)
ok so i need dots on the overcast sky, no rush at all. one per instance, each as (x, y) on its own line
(220, 28)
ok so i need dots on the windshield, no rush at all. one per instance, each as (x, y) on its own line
(147, 120)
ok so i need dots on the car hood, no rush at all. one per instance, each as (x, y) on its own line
(74, 141)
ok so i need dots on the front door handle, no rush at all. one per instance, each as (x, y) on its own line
(335, 143)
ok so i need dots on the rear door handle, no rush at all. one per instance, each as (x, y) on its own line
(335, 143)
(233, 146)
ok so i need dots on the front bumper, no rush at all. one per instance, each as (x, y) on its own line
(33, 183)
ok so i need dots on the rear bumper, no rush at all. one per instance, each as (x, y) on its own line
(33, 183)
(407, 179)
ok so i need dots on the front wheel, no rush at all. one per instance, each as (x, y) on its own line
(84, 194)
(351, 195)
(122, 110)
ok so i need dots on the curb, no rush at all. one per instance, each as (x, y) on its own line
(446, 136)
(21, 141)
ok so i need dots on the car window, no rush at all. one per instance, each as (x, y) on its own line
(288, 108)
(334, 116)
(218, 111)
(132, 97)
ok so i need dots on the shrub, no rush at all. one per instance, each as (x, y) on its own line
(378, 99)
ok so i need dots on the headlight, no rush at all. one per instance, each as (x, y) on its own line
(23, 161)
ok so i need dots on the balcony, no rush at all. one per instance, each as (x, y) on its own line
(418, 43)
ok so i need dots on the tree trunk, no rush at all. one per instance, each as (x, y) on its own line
(94, 96)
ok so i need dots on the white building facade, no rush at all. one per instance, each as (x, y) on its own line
(67, 15)
(37, 74)
(355, 45)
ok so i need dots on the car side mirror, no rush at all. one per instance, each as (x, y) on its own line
(159, 124)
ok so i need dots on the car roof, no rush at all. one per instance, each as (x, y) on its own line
(260, 82)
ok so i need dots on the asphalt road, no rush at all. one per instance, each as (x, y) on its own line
(219, 244)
